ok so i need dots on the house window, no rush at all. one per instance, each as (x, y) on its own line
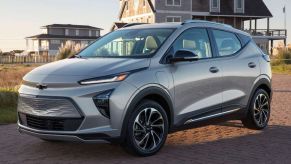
(144, 3)
(77, 32)
(173, 2)
(97, 33)
(67, 32)
(214, 3)
(239, 4)
(55, 42)
(44, 44)
(173, 19)
(90, 33)
(215, 6)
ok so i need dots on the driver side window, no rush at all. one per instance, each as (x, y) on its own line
(195, 40)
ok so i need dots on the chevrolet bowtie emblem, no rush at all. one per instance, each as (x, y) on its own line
(41, 86)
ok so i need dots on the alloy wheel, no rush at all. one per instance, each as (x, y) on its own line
(261, 110)
(148, 129)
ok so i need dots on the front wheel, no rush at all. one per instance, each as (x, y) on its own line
(259, 111)
(147, 129)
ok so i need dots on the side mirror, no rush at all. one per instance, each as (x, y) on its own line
(184, 55)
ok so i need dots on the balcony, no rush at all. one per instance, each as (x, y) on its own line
(275, 34)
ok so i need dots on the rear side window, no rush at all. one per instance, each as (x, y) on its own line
(227, 42)
(245, 39)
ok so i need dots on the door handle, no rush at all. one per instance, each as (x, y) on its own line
(214, 70)
(252, 65)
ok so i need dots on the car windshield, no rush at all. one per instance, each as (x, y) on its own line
(128, 43)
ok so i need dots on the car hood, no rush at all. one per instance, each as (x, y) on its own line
(79, 69)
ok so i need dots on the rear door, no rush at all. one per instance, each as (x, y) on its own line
(240, 68)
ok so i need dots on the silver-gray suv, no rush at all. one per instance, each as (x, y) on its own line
(142, 82)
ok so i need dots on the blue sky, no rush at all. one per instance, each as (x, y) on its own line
(22, 18)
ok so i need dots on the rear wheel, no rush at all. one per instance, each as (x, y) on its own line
(259, 111)
(147, 129)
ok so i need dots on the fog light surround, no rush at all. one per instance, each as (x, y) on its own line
(101, 102)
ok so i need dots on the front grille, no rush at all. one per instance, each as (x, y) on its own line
(47, 106)
(51, 124)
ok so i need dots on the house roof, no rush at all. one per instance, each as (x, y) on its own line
(253, 8)
(48, 36)
(117, 25)
(71, 26)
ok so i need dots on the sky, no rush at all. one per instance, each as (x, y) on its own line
(23, 18)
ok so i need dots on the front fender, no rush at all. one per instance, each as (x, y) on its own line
(139, 95)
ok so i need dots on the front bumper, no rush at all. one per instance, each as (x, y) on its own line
(71, 137)
(93, 126)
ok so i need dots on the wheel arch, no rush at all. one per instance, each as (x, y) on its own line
(262, 83)
(154, 93)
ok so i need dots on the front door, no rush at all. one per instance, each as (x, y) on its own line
(197, 84)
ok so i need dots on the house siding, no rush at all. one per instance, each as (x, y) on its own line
(200, 5)
(227, 5)
(185, 5)
(136, 10)
(161, 17)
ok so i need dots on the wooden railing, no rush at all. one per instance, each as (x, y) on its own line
(26, 59)
(271, 32)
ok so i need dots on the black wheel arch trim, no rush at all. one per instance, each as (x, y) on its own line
(261, 81)
(139, 97)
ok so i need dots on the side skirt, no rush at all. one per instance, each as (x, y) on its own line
(235, 114)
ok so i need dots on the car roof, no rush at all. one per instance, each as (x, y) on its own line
(154, 25)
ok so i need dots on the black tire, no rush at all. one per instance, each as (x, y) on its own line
(256, 111)
(131, 144)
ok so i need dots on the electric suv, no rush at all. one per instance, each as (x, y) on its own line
(139, 83)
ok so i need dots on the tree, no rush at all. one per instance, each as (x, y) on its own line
(1, 52)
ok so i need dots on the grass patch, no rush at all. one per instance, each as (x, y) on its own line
(8, 115)
(10, 79)
(8, 106)
(282, 69)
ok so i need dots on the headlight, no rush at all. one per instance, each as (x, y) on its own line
(107, 79)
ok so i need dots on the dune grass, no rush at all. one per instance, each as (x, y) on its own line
(10, 80)
(282, 69)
